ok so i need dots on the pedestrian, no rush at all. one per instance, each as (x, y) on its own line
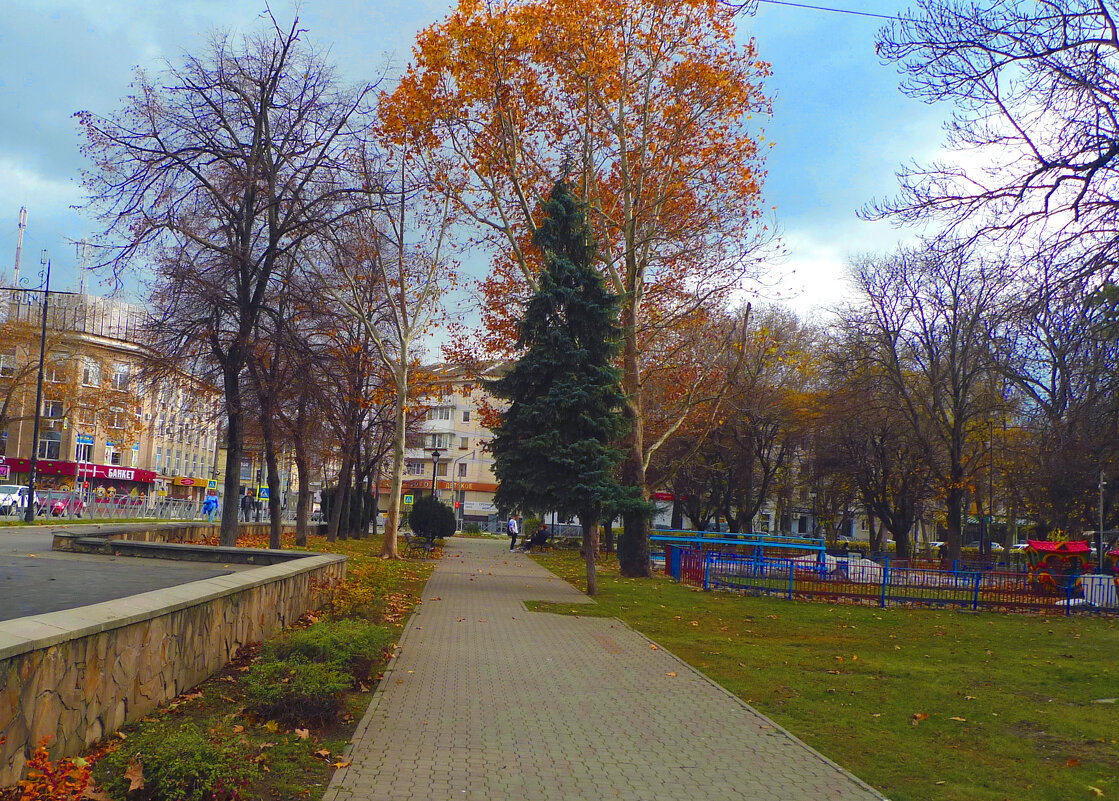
(246, 507)
(514, 529)
(210, 507)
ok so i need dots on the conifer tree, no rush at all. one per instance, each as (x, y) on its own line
(553, 449)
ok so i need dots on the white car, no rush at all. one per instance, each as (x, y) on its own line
(13, 499)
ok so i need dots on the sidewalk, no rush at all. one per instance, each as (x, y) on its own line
(486, 700)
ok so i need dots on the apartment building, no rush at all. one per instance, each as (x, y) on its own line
(100, 429)
(463, 471)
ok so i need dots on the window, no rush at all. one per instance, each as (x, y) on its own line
(86, 417)
(178, 459)
(115, 458)
(52, 408)
(7, 364)
(135, 456)
(83, 452)
(50, 444)
(463, 443)
(111, 454)
(414, 468)
(54, 370)
(91, 373)
(120, 376)
(466, 417)
(4, 442)
(116, 417)
(441, 469)
(194, 465)
(462, 469)
(441, 441)
(158, 458)
(439, 413)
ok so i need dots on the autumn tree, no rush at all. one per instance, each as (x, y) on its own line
(649, 101)
(217, 170)
(1034, 85)
(390, 283)
(930, 321)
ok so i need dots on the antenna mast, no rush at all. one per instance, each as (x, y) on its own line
(82, 248)
(19, 241)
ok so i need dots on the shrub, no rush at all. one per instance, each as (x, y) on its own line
(352, 646)
(178, 765)
(473, 529)
(431, 518)
(295, 692)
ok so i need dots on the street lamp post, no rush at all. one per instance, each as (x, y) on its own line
(29, 513)
(1099, 534)
(435, 454)
(454, 482)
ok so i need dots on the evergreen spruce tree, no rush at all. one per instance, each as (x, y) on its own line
(553, 449)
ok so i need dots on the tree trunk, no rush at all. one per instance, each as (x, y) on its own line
(392, 519)
(954, 502)
(589, 523)
(303, 503)
(273, 470)
(339, 495)
(608, 534)
(231, 379)
(633, 547)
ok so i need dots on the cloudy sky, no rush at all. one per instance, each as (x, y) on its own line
(840, 125)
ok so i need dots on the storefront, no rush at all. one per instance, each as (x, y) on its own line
(99, 480)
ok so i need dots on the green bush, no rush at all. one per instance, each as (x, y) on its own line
(352, 646)
(295, 692)
(431, 518)
(473, 529)
(180, 765)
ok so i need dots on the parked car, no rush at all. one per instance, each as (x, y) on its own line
(992, 546)
(61, 502)
(13, 499)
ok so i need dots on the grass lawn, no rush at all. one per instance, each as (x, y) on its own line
(923, 705)
(292, 761)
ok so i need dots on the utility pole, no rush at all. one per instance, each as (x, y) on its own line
(29, 513)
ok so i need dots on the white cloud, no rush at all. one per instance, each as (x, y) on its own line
(22, 186)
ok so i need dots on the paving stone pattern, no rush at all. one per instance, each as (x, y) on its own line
(486, 700)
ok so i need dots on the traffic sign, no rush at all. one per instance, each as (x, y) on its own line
(263, 493)
(5, 471)
(409, 500)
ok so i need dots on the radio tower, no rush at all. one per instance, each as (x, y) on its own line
(19, 241)
(82, 249)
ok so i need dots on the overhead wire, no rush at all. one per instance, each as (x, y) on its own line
(826, 8)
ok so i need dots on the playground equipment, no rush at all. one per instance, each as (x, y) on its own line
(1057, 565)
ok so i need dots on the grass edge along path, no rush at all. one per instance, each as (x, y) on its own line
(211, 731)
(924, 705)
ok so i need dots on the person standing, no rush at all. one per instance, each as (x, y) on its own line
(514, 529)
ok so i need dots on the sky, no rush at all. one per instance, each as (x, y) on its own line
(840, 125)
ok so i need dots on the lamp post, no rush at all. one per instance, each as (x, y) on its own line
(29, 513)
(1099, 534)
(435, 454)
(454, 481)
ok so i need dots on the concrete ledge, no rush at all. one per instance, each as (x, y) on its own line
(80, 674)
(171, 532)
(81, 543)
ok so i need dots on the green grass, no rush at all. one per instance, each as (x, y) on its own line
(1009, 699)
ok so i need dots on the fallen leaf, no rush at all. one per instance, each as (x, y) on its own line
(238, 729)
(135, 775)
(340, 764)
(961, 720)
(1096, 791)
(94, 793)
(834, 672)
(322, 752)
(670, 674)
(654, 646)
(272, 726)
(302, 734)
(122, 735)
(918, 717)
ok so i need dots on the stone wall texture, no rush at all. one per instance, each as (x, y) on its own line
(80, 674)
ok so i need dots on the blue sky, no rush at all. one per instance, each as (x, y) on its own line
(841, 127)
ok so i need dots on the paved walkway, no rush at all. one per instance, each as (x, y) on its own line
(486, 700)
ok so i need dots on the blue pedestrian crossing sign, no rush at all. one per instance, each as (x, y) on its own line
(409, 500)
(263, 493)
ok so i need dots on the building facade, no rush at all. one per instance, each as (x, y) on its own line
(100, 430)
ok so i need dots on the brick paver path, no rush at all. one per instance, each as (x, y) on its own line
(486, 700)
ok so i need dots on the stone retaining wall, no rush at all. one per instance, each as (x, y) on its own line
(80, 674)
(165, 532)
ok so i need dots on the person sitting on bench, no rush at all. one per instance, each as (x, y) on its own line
(539, 537)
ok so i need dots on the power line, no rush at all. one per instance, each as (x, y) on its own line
(832, 10)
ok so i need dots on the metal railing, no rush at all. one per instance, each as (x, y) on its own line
(884, 584)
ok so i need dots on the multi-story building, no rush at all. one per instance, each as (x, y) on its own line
(100, 429)
(463, 471)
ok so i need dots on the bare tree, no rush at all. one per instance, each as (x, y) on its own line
(1035, 85)
(223, 166)
(930, 320)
